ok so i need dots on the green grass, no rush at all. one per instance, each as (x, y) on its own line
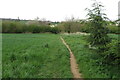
(45, 56)
(114, 36)
(88, 60)
(35, 56)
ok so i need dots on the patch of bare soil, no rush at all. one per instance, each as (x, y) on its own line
(77, 33)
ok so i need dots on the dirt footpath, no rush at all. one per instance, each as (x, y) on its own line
(74, 65)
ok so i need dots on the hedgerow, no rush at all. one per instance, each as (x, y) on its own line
(23, 27)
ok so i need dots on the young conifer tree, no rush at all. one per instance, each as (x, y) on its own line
(98, 31)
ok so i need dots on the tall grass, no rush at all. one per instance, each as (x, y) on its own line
(35, 56)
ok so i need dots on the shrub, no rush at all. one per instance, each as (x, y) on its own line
(12, 27)
(98, 37)
(69, 26)
(112, 55)
(55, 30)
(85, 28)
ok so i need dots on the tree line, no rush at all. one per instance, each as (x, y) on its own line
(69, 26)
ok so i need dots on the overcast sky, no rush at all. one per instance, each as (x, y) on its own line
(54, 10)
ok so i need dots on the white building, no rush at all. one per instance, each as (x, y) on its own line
(119, 10)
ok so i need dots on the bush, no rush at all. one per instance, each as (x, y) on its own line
(112, 55)
(70, 26)
(98, 31)
(55, 30)
(85, 28)
(12, 27)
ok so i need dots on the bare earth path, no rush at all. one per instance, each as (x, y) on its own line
(74, 65)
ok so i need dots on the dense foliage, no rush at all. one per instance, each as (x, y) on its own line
(84, 26)
(98, 34)
(113, 29)
(27, 27)
(70, 26)
(112, 54)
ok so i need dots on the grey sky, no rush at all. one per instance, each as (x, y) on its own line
(54, 10)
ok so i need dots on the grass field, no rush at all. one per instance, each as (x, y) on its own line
(89, 61)
(35, 56)
(45, 56)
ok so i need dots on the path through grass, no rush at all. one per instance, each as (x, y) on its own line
(73, 64)
(88, 60)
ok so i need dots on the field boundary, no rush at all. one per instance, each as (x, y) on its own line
(73, 64)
